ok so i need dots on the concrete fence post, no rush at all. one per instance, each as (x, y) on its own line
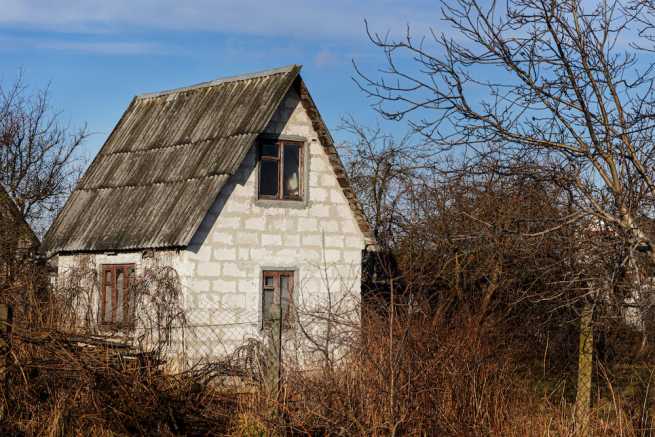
(585, 370)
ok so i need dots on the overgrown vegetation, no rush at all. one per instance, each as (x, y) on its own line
(425, 373)
(500, 220)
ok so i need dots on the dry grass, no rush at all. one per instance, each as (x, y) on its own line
(433, 377)
(426, 374)
(58, 387)
(438, 377)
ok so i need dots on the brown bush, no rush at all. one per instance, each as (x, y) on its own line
(423, 374)
(68, 386)
(428, 376)
(437, 376)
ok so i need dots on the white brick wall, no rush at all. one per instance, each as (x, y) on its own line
(86, 268)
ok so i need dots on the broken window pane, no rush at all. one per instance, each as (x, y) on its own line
(267, 303)
(291, 171)
(277, 298)
(106, 317)
(280, 171)
(129, 296)
(284, 294)
(114, 307)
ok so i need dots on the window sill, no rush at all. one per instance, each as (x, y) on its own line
(271, 203)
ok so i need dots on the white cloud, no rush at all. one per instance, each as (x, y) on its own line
(325, 58)
(296, 18)
(106, 48)
(11, 43)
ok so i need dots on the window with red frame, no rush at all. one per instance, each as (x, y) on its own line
(277, 298)
(280, 170)
(115, 305)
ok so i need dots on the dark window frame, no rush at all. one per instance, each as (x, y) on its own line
(128, 275)
(288, 316)
(281, 144)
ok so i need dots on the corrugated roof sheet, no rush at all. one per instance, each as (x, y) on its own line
(162, 167)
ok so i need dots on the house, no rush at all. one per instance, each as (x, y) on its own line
(18, 243)
(236, 184)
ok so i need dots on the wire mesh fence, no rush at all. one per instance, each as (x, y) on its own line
(216, 334)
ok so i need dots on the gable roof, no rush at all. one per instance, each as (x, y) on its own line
(15, 232)
(162, 167)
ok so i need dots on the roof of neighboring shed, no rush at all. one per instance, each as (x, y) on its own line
(14, 230)
(164, 164)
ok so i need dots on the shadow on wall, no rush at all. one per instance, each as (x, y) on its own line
(239, 178)
(278, 122)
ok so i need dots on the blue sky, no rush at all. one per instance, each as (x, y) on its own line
(96, 55)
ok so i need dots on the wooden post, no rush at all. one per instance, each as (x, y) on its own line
(6, 320)
(585, 368)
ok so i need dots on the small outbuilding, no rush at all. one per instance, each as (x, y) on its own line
(237, 185)
(18, 243)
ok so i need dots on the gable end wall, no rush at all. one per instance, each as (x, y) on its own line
(319, 239)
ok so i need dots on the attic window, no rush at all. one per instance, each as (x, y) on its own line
(280, 170)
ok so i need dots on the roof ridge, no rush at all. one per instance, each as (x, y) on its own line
(221, 80)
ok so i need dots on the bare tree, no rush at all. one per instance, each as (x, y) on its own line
(382, 169)
(565, 84)
(553, 82)
(559, 85)
(39, 160)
